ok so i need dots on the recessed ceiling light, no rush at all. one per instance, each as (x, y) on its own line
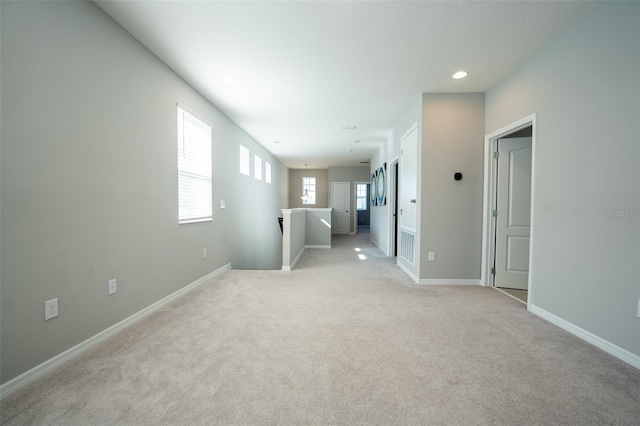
(230, 80)
(460, 74)
(358, 141)
(348, 127)
(277, 141)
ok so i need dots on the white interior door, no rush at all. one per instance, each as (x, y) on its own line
(408, 179)
(340, 201)
(513, 213)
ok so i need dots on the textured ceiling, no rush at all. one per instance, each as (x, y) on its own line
(304, 69)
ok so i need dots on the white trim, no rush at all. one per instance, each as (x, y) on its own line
(29, 376)
(408, 272)
(392, 238)
(290, 267)
(610, 348)
(488, 231)
(425, 281)
(377, 244)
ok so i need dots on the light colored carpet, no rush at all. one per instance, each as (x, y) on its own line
(518, 294)
(338, 340)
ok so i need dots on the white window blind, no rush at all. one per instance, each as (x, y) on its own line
(195, 188)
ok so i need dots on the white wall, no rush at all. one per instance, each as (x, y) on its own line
(88, 182)
(585, 89)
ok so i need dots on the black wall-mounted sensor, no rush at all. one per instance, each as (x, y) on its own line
(457, 176)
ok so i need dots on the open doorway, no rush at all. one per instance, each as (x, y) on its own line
(509, 160)
(363, 215)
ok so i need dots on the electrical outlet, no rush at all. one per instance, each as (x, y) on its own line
(50, 309)
(112, 287)
(204, 253)
(432, 256)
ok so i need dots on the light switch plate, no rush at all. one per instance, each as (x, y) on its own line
(222, 204)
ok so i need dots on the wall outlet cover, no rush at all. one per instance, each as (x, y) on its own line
(50, 309)
(112, 287)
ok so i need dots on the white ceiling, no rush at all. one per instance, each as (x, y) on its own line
(304, 69)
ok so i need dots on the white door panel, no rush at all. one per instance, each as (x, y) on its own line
(340, 201)
(407, 199)
(514, 213)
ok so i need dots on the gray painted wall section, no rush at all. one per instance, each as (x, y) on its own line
(585, 89)
(451, 211)
(88, 183)
(318, 227)
(295, 187)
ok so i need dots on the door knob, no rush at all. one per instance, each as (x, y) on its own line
(413, 200)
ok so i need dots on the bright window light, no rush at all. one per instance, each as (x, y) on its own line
(195, 187)
(257, 167)
(267, 172)
(245, 166)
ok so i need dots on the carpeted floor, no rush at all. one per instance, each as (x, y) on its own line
(338, 340)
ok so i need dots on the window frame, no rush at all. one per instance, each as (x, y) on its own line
(313, 200)
(194, 160)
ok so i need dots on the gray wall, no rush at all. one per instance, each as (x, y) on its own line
(585, 89)
(451, 211)
(351, 175)
(295, 187)
(317, 232)
(88, 182)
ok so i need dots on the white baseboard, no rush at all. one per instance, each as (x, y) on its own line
(288, 268)
(610, 348)
(37, 371)
(377, 244)
(425, 281)
(408, 272)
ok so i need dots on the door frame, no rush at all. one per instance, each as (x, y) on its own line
(489, 199)
(392, 201)
(348, 184)
(355, 205)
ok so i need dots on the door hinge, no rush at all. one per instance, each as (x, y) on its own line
(495, 213)
(493, 271)
(496, 155)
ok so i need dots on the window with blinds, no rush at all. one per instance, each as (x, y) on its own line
(195, 188)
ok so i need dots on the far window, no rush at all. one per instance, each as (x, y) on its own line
(267, 172)
(244, 161)
(257, 167)
(194, 169)
(308, 190)
(361, 196)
